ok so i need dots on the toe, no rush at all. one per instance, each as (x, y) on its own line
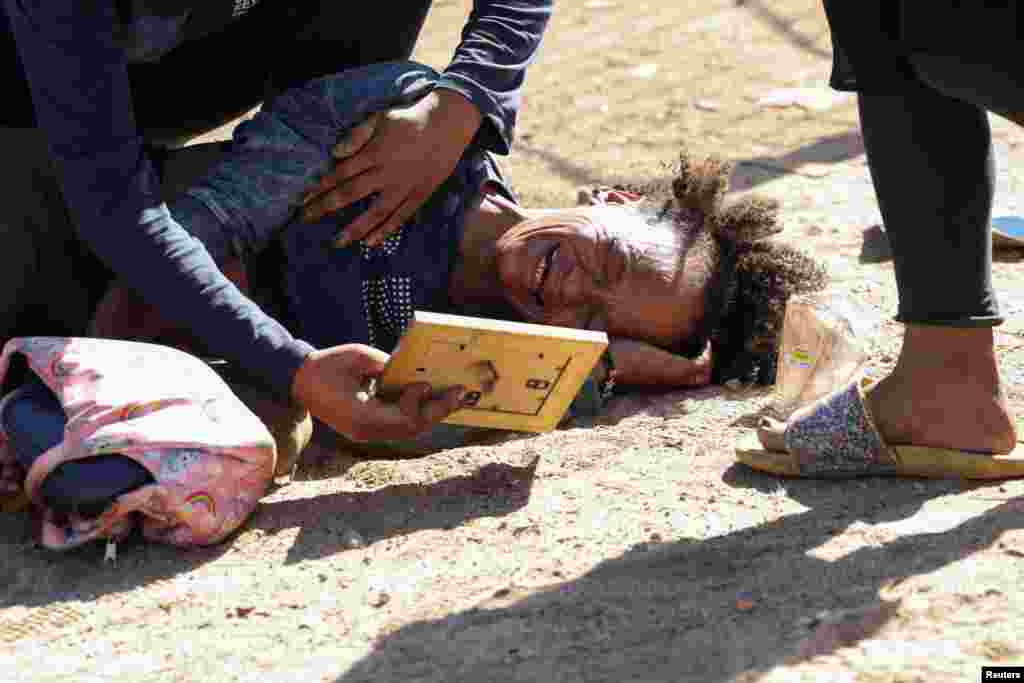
(771, 433)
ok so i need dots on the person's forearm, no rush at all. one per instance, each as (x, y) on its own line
(459, 114)
(489, 66)
(80, 89)
(640, 363)
(181, 280)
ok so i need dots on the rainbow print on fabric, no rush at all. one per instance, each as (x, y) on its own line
(135, 410)
(199, 498)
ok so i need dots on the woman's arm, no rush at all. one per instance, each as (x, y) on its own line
(639, 363)
(78, 77)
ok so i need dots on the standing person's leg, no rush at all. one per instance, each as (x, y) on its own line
(931, 163)
(929, 151)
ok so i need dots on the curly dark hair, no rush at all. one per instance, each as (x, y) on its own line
(751, 278)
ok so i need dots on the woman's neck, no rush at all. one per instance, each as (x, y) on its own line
(475, 288)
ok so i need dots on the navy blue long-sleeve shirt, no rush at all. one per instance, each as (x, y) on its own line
(74, 56)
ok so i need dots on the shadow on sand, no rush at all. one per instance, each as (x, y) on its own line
(668, 612)
(42, 578)
(748, 174)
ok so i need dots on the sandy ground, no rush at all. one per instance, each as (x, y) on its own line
(632, 549)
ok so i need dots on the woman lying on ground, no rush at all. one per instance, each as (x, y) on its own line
(687, 290)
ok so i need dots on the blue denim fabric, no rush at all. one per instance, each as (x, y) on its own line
(287, 146)
(242, 204)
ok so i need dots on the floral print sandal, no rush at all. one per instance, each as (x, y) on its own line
(836, 438)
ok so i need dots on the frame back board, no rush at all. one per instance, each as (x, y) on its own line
(518, 376)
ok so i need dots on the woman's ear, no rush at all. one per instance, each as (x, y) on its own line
(748, 220)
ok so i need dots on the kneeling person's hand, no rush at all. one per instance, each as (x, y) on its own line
(401, 156)
(331, 385)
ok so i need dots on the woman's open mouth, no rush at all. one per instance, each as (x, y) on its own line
(540, 274)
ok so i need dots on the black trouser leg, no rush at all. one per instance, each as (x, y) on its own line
(930, 153)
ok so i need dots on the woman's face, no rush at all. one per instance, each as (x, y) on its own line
(604, 268)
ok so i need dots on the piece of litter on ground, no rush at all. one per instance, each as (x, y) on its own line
(811, 99)
(707, 105)
(644, 71)
(110, 555)
(592, 102)
(814, 169)
(379, 599)
(745, 601)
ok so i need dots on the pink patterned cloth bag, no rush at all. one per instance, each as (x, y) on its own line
(211, 458)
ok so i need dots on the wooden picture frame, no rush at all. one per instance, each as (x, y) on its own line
(518, 376)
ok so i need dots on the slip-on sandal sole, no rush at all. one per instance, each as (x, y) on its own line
(912, 461)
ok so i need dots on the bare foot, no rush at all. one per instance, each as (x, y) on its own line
(944, 392)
